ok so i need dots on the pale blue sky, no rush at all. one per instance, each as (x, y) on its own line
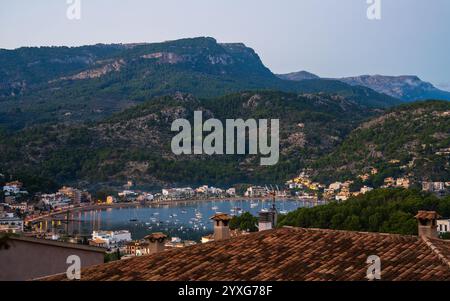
(331, 38)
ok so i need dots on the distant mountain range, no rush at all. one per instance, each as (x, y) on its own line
(61, 84)
(407, 87)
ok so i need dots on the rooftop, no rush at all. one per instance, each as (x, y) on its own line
(221, 217)
(288, 254)
(427, 215)
(156, 236)
(55, 243)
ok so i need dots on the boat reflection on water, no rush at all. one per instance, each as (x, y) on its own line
(188, 221)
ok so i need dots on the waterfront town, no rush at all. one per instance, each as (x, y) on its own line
(27, 216)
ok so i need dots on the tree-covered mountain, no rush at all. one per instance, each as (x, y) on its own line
(135, 144)
(408, 88)
(61, 84)
(412, 140)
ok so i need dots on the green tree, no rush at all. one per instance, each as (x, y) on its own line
(244, 222)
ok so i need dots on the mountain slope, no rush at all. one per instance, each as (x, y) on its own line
(70, 85)
(412, 140)
(407, 87)
(25, 68)
(135, 144)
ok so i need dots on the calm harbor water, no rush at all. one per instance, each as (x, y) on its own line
(189, 221)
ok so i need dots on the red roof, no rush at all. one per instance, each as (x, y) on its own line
(288, 254)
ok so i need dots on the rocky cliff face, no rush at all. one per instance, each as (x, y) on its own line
(403, 87)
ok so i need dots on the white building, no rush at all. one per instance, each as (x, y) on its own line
(335, 186)
(56, 200)
(215, 191)
(231, 191)
(146, 197)
(256, 191)
(22, 206)
(365, 189)
(11, 224)
(443, 225)
(112, 238)
(127, 193)
(11, 189)
(433, 186)
(178, 193)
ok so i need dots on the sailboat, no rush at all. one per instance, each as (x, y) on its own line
(134, 219)
(254, 204)
(284, 211)
(214, 207)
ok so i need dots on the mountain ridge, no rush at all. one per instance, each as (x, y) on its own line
(69, 85)
(405, 87)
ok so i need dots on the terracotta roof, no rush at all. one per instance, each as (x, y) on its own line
(427, 215)
(288, 254)
(98, 241)
(221, 217)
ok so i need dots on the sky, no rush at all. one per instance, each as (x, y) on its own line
(331, 38)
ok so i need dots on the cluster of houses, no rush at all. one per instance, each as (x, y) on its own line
(342, 192)
(131, 196)
(307, 189)
(439, 188)
(190, 193)
(153, 243)
(10, 222)
(122, 243)
(303, 187)
(65, 198)
(17, 204)
(110, 239)
(14, 194)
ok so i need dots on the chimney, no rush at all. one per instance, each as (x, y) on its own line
(265, 221)
(156, 242)
(428, 223)
(221, 227)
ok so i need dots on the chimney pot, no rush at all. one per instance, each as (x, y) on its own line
(427, 221)
(221, 226)
(156, 242)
